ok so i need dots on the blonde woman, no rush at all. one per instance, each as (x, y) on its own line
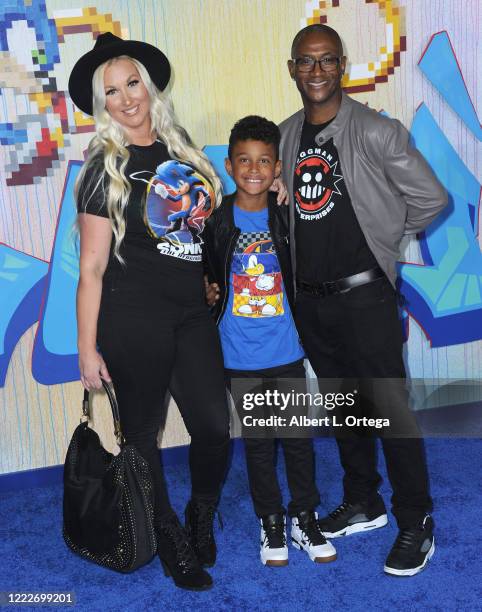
(143, 196)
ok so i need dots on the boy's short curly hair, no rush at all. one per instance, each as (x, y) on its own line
(254, 127)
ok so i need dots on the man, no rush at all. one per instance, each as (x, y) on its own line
(358, 186)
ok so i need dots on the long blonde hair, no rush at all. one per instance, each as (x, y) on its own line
(108, 149)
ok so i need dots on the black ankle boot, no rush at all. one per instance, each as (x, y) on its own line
(178, 558)
(199, 528)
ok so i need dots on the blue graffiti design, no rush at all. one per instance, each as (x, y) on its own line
(441, 68)
(55, 358)
(22, 283)
(217, 154)
(444, 295)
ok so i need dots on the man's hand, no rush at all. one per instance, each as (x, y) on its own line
(280, 187)
(212, 291)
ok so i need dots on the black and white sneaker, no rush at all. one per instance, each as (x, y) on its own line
(352, 518)
(412, 550)
(273, 551)
(306, 535)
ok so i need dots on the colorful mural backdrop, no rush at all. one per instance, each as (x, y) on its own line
(409, 59)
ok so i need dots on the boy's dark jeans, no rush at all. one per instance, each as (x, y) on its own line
(261, 456)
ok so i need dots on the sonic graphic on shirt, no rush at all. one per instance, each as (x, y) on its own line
(257, 281)
(178, 201)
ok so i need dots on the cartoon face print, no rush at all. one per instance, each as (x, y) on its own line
(312, 182)
(315, 182)
(257, 282)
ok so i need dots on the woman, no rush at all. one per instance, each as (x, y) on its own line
(142, 315)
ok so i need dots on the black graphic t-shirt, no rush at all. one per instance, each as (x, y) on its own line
(166, 211)
(329, 241)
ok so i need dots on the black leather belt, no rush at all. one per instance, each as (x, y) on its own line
(342, 284)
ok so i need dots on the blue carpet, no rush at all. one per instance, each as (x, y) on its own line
(33, 556)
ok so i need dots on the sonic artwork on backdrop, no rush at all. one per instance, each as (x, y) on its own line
(444, 294)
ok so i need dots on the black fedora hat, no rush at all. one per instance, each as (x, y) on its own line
(106, 47)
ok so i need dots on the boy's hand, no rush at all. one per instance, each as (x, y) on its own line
(280, 187)
(212, 292)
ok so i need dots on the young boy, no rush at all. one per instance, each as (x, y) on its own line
(247, 252)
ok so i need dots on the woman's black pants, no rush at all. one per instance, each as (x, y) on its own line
(160, 338)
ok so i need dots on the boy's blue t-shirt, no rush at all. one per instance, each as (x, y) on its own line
(257, 329)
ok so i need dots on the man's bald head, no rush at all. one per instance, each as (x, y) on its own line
(322, 29)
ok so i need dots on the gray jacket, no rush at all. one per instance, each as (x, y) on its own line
(392, 188)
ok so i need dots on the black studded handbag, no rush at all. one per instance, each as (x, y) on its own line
(108, 499)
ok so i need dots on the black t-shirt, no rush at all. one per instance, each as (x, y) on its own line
(329, 241)
(165, 214)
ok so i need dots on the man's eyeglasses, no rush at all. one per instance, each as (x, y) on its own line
(307, 63)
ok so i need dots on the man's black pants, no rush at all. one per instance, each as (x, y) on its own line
(357, 334)
(261, 451)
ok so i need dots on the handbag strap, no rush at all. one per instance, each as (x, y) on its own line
(114, 407)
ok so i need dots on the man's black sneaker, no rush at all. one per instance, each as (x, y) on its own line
(351, 518)
(412, 550)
